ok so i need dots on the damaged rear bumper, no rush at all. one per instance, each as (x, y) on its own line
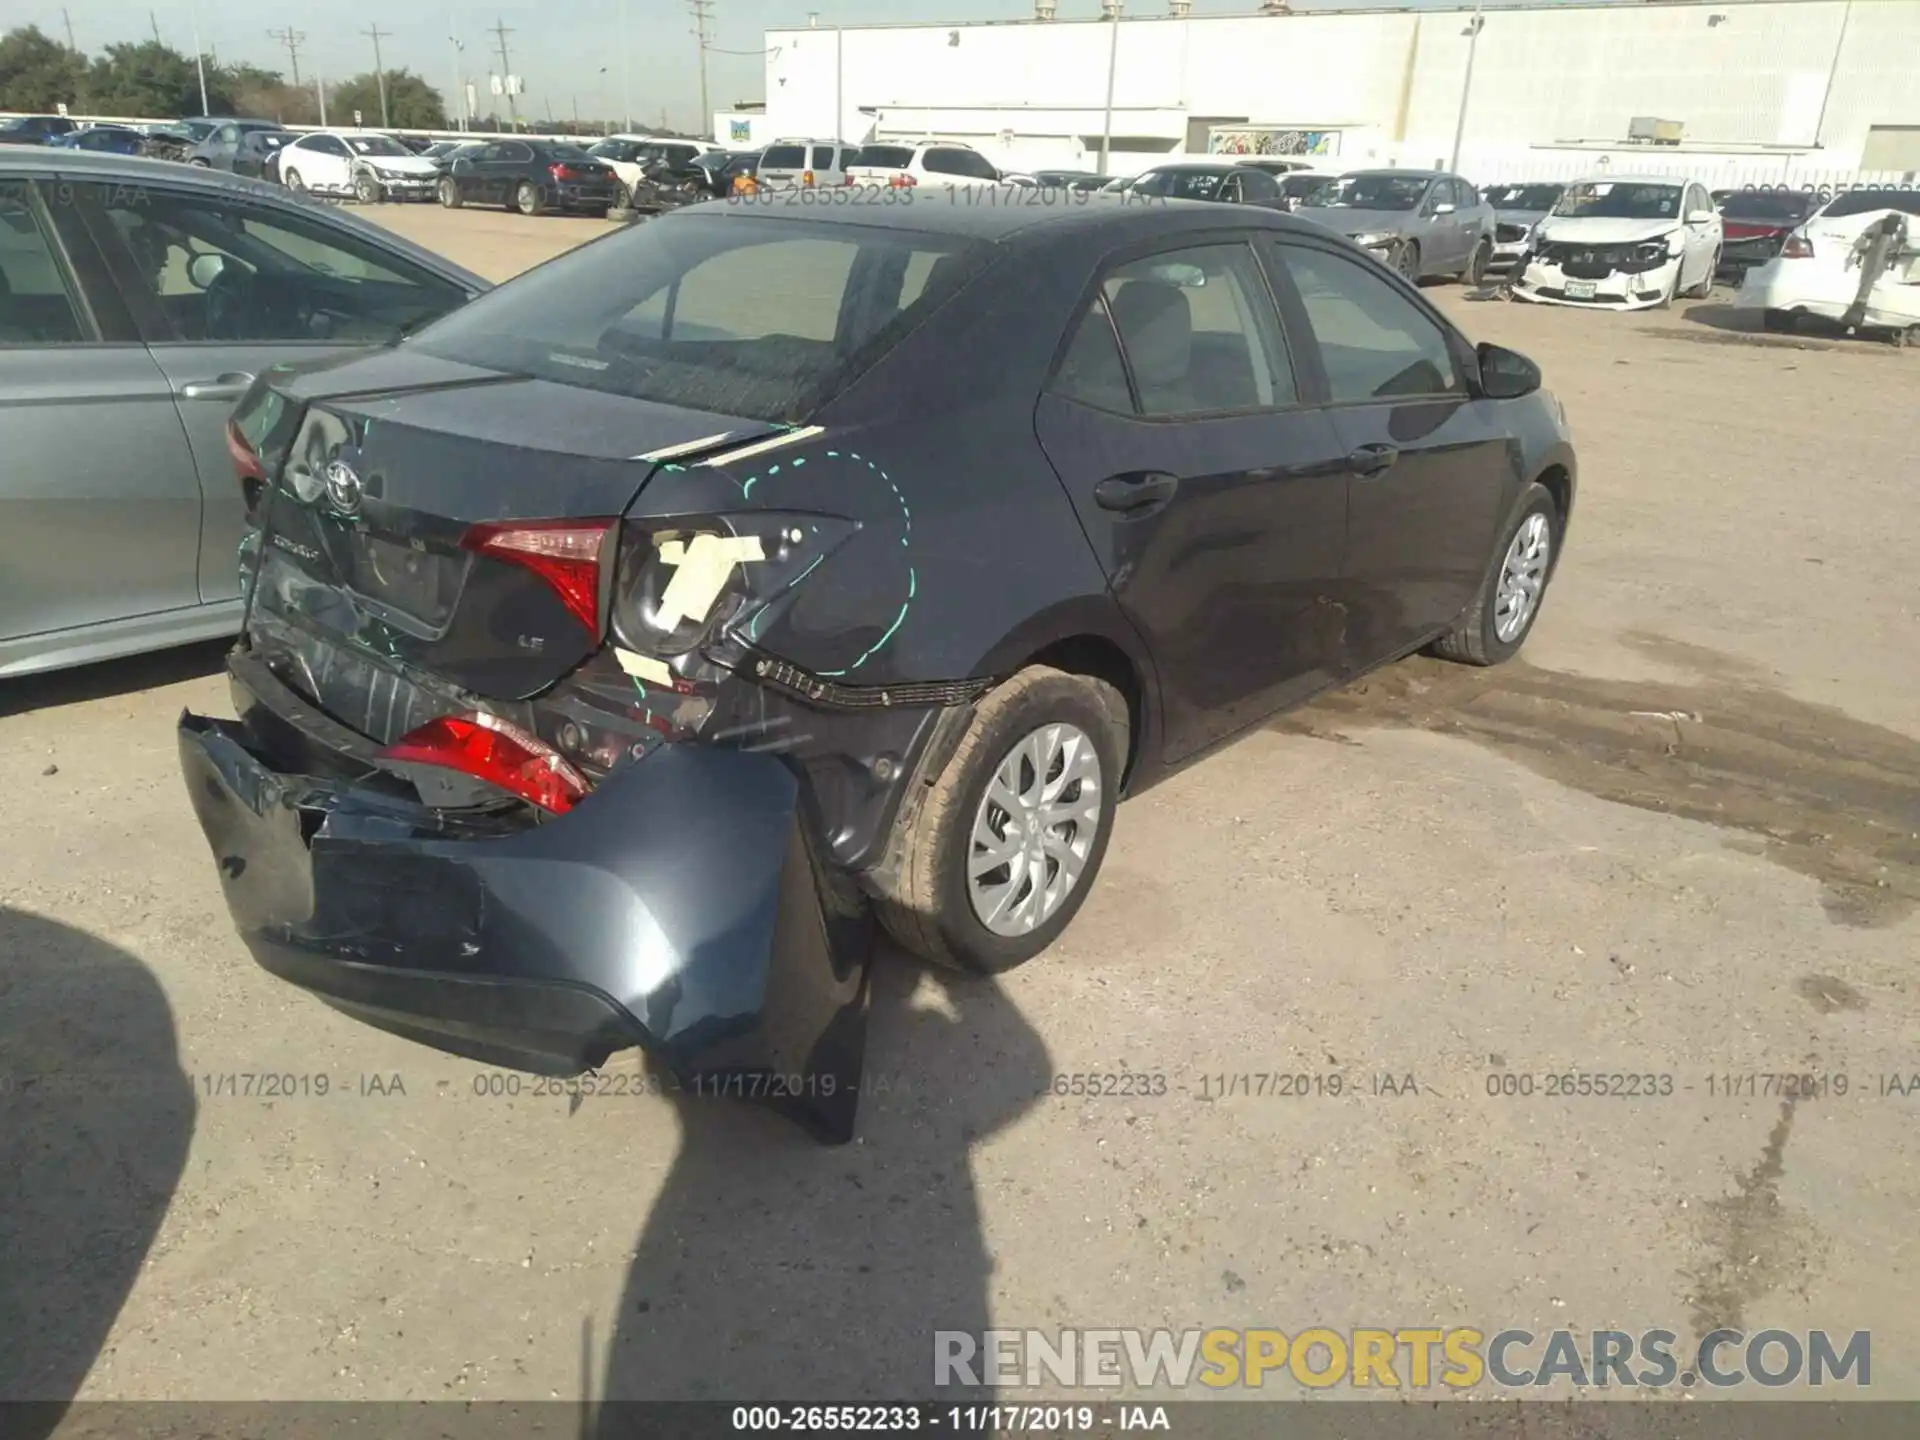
(680, 907)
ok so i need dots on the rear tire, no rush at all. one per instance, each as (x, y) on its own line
(1477, 638)
(295, 183)
(930, 902)
(527, 198)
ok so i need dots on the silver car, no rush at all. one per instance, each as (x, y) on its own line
(138, 299)
(1421, 222)
(1517, 211)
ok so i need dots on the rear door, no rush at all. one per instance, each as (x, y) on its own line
(1428, 462)
(1213, 495)
(99, 498)
(781, 166)
(293, 287)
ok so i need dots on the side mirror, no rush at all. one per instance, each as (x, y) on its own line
(1445, 207)
(1702, 217)
(1505, 374)
(204, 269)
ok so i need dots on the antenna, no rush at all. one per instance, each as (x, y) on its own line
(293, 40)
(376, 34)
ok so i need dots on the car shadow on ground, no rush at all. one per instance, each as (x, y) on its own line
(113, 677)
(773, 1268)
(1733, 325)
(95, 1119)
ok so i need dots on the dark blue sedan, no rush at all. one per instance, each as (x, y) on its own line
(109, 139)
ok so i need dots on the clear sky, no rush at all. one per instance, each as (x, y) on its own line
(568, 52)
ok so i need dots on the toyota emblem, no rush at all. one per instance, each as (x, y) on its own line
(343, 488)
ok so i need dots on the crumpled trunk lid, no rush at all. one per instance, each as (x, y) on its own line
(381, 468)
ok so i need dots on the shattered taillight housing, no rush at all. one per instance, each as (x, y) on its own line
(498, 752)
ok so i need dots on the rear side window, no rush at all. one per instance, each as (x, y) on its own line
(1092, 371)
(1374, 342)
(823, 157)
(784, 157)
(967, 163)
(36, 307)
(760, 319)
(1864, 202)
(1199, 332)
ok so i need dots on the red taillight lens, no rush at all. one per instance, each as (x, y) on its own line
(564, 553)
(246, 461)
(903, 182)
(560, 172)
(488, 748)
(1798, 247)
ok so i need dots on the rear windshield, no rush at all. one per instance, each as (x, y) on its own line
(1181, 184)
(764, 318)
(784, 157)
(882, 157)
(1767, 205)
(566, 152)
(1863, 202)
(1523, 197)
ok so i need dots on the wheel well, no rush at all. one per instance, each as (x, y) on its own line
(1559, 485)
(1102, 659)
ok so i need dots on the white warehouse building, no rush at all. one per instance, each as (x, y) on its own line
(1755, 90)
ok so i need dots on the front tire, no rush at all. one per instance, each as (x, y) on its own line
(994, 856)
(295, 183)
(1705, 287)
(1407, 261)
(1476, 271)
(449, 193)
(1501, 616)
(527, 198)
(367, 190)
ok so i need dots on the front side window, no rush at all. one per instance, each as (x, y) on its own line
(1199, 332)
(214, 269)
(37, 303)
(1375, 343)
(765, 319)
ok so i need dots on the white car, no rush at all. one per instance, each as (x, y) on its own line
(368, 166)
(942, 164)
(630, 156)
(1623, 242)
(1835, 266)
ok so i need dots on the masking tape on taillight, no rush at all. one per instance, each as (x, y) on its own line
(701, 569)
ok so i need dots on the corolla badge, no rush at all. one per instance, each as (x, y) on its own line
(343, 488)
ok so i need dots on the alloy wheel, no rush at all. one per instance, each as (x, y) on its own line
(1034, 830)
(1523, 575)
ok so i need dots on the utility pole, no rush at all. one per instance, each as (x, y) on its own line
(1466, 83)
(702, 14)
(462, 113)
(292, 39)
(501, 32)
(376, 34)
(199, 60)
(69, 19)
(154, 21)
(626, 71)
(1113, 69)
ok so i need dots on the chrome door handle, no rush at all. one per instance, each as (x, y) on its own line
(230, 386)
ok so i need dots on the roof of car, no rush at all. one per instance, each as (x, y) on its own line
(988, 214)
(1398, 174)
(1602, 179)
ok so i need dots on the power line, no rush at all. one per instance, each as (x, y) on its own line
(376, 34)
(702, 15)
(293, 39)
(501, 32)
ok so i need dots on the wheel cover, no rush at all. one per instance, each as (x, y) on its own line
(1035, 830)
(1523, 575)
(526, 198)
(1409, 261)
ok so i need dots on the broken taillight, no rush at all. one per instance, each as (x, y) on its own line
(488, 748)
(1798, 247)
(564, 553)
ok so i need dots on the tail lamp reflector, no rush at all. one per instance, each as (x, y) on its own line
(564, 553)
(1798, 247)
(488, 748)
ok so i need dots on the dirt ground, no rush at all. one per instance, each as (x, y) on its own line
(1680, 838)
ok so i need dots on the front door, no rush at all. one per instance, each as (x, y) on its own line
(1214, 499)
(99, 497)
(1427, 459)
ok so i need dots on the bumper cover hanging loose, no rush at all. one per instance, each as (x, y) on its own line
(680, 907)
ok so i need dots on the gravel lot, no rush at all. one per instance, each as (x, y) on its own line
(1682, 837)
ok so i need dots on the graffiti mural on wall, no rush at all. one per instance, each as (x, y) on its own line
(1266, 140)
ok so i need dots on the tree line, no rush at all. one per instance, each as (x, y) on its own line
(148, 78)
